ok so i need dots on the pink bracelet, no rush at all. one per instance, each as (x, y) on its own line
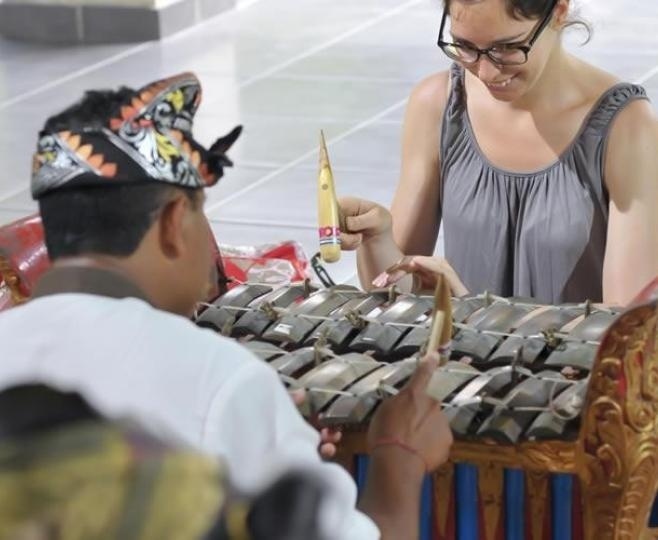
(394, 441)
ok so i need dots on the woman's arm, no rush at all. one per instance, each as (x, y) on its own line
(631, 176)
(415, 209)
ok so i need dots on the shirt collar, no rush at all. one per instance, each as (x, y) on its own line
(87, 280)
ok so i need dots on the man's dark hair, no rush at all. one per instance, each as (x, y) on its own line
(93, 110)
(103, 220)
(107, 219)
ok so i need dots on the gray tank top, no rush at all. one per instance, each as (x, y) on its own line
(539, 234)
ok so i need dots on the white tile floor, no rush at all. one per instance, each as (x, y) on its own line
(285, 69)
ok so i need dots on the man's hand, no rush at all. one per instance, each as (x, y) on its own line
(408, 437)
(414, 419)
(329, 438)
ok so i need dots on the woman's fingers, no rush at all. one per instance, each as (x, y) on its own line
(438, 265)
(426, 270)
(397, 271)
(364, 216)
(350, 242)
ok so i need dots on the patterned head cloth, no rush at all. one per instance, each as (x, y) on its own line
(68, 474)
(148, 137)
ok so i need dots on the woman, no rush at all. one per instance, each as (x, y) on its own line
(543, 168)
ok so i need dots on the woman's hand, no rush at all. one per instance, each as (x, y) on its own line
(364, 221)
(425, 270)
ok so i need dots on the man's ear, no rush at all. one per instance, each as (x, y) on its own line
(171, 223)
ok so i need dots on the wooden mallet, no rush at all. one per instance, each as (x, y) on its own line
(330, 219)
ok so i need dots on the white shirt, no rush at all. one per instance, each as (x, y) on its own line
(129, 359)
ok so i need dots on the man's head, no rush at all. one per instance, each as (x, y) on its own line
(119, 180)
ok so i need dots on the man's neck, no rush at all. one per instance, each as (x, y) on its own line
(89, 275)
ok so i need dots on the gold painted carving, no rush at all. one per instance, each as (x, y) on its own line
(491, 483)
(443, 494)
(553, 456)
(618, 449)
(11, 280)
(538, 501)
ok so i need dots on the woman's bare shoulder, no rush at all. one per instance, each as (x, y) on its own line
(637, 118)
(430, 95)
(593, 80)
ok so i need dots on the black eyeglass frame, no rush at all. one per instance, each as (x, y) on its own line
(525, 45)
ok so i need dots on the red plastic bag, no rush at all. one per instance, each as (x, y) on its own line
(274, 264)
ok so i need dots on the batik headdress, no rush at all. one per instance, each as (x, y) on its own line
(147, 137)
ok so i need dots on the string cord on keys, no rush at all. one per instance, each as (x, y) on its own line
(562, 337)
(563, 411)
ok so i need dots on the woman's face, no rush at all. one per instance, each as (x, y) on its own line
(487, 23)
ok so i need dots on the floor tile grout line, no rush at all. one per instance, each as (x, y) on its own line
(644, 78)
(304, 156)
(294, 77)
(252, 165)
(268, 72)
(343, 168)
(143, 46)
(351, 277)
(256, 166)
(7, 211)
(263, 222)
(329, 43)
(74, 75)
(244, 4)
(253, 118)
(110, 60)
(358, 127)
(10, 194)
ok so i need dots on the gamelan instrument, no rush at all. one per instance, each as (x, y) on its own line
(554, 408)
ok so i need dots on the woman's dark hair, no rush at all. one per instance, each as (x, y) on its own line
(534, 9)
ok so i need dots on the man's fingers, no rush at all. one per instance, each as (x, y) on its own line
(328, 435)
(327, 450)
(298, 396)
(421, 378)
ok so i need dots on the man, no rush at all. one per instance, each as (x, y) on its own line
(119, 181)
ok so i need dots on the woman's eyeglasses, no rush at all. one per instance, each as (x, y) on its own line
(504, 54)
